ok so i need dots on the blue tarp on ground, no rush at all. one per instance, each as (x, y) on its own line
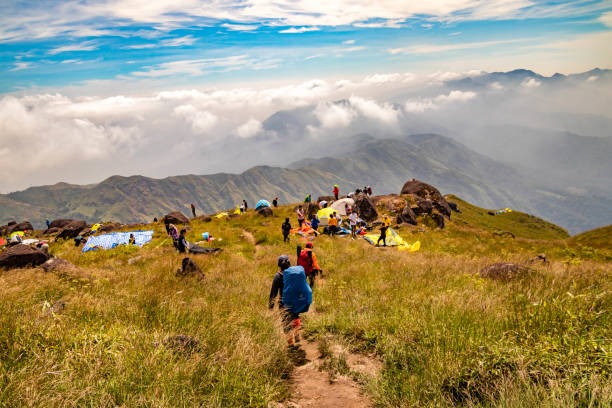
(108, 241)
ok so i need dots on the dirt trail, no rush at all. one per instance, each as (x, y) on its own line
(317, 384)
(250, 239)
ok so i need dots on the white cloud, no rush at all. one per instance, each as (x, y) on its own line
(348, 42)
(194, 67)
(179, 42)
(460, 96)
(249, 129)
(606, 19)
(20, 65)
(386, 78)
(417, 106)
(592, 78)
(84, 46)
(201, 121)
(334, 115)
(81, 19)
(240, 27)
(496, 86)
(425, 104)
(298, 30)
(371, 109)
(530, 83)
(443, 48)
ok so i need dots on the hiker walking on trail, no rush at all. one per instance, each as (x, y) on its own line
(300, 215)
(295, 297)
(246, 206)
(336, 191)
(275, 202)
(193, 209)
(308, 260)
(286, 228)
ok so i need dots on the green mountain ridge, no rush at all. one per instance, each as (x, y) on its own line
(384, 164)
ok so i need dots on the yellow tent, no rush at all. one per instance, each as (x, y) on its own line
(324, 214)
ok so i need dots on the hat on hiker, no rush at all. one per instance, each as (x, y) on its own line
(284, 262)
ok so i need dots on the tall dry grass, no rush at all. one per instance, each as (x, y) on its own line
(445, 335)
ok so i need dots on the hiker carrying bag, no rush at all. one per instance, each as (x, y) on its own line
(297, 295)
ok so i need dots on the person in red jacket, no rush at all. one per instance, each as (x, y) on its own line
(308, 260)
(336, 191)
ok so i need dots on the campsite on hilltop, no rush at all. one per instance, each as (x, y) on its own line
(494, 307)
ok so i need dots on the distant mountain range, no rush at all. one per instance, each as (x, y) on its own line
(384, 164)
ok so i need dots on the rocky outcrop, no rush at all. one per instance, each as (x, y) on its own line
(20, 256)
(365, 207)
(22, 226)
(175, 217)
(13, 226)
(61, 223)
(428, 192)
(422, 206)
(72, 229)
(265, 212)
(407, 216)
(203, 218)
(312, 210)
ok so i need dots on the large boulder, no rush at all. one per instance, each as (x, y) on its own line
(22, 226)
(265, 212)
(203, 218)
(423, 206)
(20, 255)
(312, 210)
(61, 223)
(407, 216)
(390, 203)
(365, 207)
(175, 217)
(428, 192)
(72, 229)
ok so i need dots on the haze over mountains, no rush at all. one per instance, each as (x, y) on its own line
(538, 144)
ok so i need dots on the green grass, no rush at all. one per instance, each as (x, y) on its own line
(446, 336)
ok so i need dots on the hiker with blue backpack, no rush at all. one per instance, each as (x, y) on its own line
(295, 297)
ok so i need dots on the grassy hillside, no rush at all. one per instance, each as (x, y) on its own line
(445, 336)
(600, 238)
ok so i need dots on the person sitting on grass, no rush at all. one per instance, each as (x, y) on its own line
(182, 245)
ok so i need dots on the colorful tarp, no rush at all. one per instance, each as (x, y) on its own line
(393, 239)
(262, 204)
(108, 241)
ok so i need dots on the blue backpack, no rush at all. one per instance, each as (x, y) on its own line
(297, 295)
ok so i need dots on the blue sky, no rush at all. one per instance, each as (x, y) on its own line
(161, 44)
(167, 87)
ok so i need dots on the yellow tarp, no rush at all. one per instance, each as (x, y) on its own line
(394, 239)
